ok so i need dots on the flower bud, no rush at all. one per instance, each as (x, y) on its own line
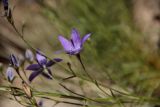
(29, 55)
(10, 74)
(14, 61)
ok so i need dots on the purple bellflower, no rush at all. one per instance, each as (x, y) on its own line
(75, 45)
(10, 74)
(42, 66)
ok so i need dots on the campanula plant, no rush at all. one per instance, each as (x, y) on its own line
(28, 95)
(75, 45)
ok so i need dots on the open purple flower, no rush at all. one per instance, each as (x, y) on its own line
(42, 66)
(75, 45)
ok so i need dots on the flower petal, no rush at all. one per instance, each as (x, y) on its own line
(85, 38)
(34, 74)
(33, 67)
(51, 62)
(67, 45)
(42, 60)
(75, 37)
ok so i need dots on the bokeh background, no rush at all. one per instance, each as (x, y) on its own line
(123, 50)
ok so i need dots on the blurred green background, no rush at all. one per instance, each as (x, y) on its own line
(115, 45)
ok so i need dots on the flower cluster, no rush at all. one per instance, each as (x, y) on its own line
(43, 64)
(39, 64)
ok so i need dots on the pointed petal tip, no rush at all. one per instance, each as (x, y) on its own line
(86, 37)
(57, 59)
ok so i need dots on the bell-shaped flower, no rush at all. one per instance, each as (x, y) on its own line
(42, 66)
(75, 45)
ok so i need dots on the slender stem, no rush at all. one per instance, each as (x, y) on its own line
(86, 98)
(78, 104)
(93, 80)
(73, 73)
(79, 58)
(70, 77)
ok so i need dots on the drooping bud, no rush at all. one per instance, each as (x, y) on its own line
(14, 61)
